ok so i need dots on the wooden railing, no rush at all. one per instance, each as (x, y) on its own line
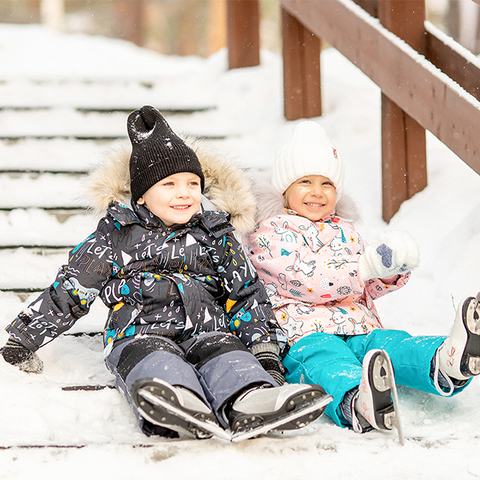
(427, 81)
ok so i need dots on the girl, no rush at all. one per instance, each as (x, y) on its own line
(322, 279)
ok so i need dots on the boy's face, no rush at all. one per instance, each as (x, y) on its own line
(313, 197)
(175, 199)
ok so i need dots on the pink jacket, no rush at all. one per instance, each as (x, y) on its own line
(310, 272)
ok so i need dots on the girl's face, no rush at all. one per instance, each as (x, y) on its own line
(175, 199)
(312, 196)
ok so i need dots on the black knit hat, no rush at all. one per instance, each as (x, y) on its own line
(157, 152)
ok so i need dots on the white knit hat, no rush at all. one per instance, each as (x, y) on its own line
(308, 152)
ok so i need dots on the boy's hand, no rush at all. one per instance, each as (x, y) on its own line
(392, 253)
(16, 354)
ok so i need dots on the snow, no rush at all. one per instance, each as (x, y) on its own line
(448, 41)
(245, 120)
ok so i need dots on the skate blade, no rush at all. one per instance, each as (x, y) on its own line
(380, 375)
(268, 427)
(394, 419)
(474, 366)
(207, 426)
(473, 316)
(477, 300)
(470, 362)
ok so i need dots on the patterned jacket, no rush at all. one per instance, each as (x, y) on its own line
(174, 282)
(310, 272)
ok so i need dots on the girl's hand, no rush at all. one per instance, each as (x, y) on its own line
(392, 253)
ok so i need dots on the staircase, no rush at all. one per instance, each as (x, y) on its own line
(64, 101)
(55, 124)
(45, 151)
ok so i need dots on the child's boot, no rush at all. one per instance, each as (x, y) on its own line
(459, 356)
(376, 403)
(175, 408)
(265, 409)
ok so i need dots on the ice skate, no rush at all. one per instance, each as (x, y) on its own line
(262, 410)
(175, 408)
(377, 401)
(459, 356)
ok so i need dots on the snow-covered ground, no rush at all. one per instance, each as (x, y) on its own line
(243, 110)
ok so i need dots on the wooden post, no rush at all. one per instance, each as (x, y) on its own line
(33, 9)
(217, 25)
(52, 13)
(301, 70)
(404, 164)
(243, 33)
(131, 19)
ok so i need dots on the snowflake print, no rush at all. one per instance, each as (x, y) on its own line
(344, 290)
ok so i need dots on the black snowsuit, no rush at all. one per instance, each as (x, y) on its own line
(176, 295)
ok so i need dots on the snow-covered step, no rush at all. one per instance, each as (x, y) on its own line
(30, 268)
(51, 155)
(72, 155)
(61, 122)
(52, 191)
(56, 155)
(70, 123)
(102, 95)
(35, 227)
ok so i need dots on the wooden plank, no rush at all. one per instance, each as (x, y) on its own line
(463, 68)
(301, 70)
(370, 6)
(413, 83)
(404, 150)
(243, 33)
(450, 57)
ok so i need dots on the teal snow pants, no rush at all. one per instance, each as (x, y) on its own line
(335, 362)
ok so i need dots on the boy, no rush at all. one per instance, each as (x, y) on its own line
(190, 337)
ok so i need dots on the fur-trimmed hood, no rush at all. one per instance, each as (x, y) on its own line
(270, 203)
(226, 185)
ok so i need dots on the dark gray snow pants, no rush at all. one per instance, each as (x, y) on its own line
(216, 366)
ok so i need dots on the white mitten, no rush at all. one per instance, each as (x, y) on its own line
(390, 254)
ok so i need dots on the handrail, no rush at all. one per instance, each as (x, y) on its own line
(416, 85)
(428, 95)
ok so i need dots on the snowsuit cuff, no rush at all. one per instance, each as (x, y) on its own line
(265, 347)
